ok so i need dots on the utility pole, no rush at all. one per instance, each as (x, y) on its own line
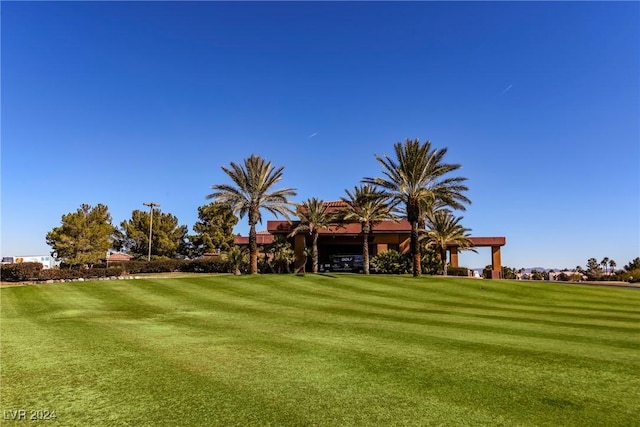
(151, 206)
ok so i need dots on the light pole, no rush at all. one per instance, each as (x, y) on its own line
(151, 206)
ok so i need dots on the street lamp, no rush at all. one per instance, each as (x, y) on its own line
(151, 206)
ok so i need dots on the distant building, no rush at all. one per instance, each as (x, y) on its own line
(46, 260)
(118, 257)
(571, 275)
(215, 253)
(345, 240)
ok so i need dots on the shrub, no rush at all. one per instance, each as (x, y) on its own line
(20, 272)
(238, 259)
(213, 265)
(391, 262)
(265, 266)
(632, 276)
(458, 271)
(429, 261)
(85, 273)
(60, 273)
(159, 266)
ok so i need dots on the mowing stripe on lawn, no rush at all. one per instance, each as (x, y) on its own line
(321, 350)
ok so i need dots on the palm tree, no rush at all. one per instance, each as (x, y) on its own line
(416, 179)
(612, 265)
(445, 230)
(282, 254)
(366, 206)
(237, 259)
(252, 192)
(604, 263)
(314, 215)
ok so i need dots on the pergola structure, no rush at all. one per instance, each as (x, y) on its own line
(495, 243)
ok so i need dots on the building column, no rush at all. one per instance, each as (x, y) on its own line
(453, 256)
(496, 265)
(299, 244)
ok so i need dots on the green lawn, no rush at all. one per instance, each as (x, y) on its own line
(321, 350)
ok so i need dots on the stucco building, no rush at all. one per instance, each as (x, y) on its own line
(346, 240)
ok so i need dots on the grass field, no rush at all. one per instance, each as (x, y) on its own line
(321, 350)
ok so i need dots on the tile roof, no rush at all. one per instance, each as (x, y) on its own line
(331, 206)
(279, 227)
(261, 239)
(119, 256)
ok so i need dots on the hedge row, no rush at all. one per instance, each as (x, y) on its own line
(20, 272)
(33, 271)
(214, 265)
(457, 271)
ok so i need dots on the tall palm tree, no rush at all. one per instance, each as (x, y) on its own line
(252, 192)
(612, 265)
(445, 229)
(314, 215)
(366, 206)
(604, 263)
(417, 178)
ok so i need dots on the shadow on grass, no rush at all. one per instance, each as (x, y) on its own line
(327, 275)
(317, 274)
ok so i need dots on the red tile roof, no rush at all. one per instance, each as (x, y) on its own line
(282, 227)
(119, 257)
(331, 206)
(400, 227)
(261, 238)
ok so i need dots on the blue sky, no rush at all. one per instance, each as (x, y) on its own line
(125, 102)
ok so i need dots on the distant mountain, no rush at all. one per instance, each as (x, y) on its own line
(530, 269)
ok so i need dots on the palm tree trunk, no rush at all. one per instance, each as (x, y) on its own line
(315, 252)
(415, 249)
(253, 249)
(443, 256)
(365, 248)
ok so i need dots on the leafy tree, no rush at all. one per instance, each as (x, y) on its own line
(168, 237)
(84, 237)
(536, 275)
(508, 273)
(633, 265)
(366, 206)
(214, 229)
(314, 215)
(445, 229)
(575, 277)
(416, 179)
(593, 268)
(253, 191)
